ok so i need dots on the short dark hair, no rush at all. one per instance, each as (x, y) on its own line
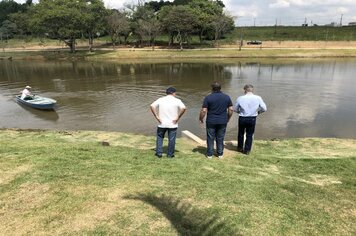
(248, 87)
(170, 90)
(216, 87)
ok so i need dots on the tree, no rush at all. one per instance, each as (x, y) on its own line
(146, 24)
(7, 30)
(118, 25)
(8, 7)
(178, 21)
(222, 24)
(21, 18)
(156, 6)
(67, 20)
(93, 17)
(59, 19)
(206, 12)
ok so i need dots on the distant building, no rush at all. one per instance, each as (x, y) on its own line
(352, 24)
(333, 24)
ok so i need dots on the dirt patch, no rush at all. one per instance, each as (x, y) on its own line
(319, 180)
(6, 176)
(16, 216)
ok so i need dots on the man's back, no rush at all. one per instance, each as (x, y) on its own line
(168, 110)
(217, 104)
(249, 105)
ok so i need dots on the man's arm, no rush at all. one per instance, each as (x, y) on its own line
(202, 114)
(263, 107)
(237, 106)
(181, 112)
(155, 114)
(230, 111)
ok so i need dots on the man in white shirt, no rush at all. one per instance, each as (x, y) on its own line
(248, 107)
(167, 110)
(26, 93)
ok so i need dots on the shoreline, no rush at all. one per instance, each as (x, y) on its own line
(269, 50)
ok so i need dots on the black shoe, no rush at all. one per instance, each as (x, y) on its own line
(240, 149)
(158, 155)
(170, 156)
(246, 152)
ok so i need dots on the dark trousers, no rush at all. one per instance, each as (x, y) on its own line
(246, 125)
(172, 133)
(215, 132)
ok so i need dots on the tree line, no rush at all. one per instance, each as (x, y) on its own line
(69, 20)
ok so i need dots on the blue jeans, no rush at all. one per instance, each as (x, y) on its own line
(172, 133)
(215, 132)
(246, 124)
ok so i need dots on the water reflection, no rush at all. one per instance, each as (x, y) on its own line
(303, 98)
(50, 115)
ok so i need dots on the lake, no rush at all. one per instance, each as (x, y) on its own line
(305, 98)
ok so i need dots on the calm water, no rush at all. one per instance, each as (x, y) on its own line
(304, 99)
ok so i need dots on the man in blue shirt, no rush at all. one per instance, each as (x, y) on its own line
(248, 107)
(219, 109)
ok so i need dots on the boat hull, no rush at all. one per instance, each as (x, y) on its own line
(38, 102)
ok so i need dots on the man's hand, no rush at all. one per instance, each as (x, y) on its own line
(230, 111)
(154, 112)
(203, 111)
(179, 115)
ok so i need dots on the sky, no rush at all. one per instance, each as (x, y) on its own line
(282, 12)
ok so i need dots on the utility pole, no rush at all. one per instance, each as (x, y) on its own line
(341, 19)
(254, 22)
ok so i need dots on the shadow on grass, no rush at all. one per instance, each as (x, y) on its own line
(200, 149)
(165, 149)
(231, 146)
(186, 219)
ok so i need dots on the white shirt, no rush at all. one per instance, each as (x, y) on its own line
(249, 105)
(168, 110)
(25, 93)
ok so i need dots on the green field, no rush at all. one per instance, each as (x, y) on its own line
(67, 183)
(282, 33)
(320, 33)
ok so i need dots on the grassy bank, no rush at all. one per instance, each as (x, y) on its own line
(144, 54)
(281, 33)
(68, 183)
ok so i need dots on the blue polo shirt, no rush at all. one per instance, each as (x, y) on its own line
(217, 104)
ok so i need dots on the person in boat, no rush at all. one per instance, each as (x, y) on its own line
(27, 93)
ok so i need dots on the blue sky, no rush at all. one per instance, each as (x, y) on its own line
(284, 12)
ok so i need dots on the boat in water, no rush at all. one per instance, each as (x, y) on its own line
(38, 102)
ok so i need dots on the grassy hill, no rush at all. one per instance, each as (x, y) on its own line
(68, 183)
(281, 33)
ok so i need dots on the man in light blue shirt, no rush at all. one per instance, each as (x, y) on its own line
(248, 107)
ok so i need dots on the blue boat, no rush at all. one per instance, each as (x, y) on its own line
(38, 102)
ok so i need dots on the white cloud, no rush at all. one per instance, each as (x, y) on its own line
(117, 4)
(279, 4)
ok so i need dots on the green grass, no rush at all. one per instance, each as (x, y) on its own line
(282, 33)
(68, 183)
(279, 33)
